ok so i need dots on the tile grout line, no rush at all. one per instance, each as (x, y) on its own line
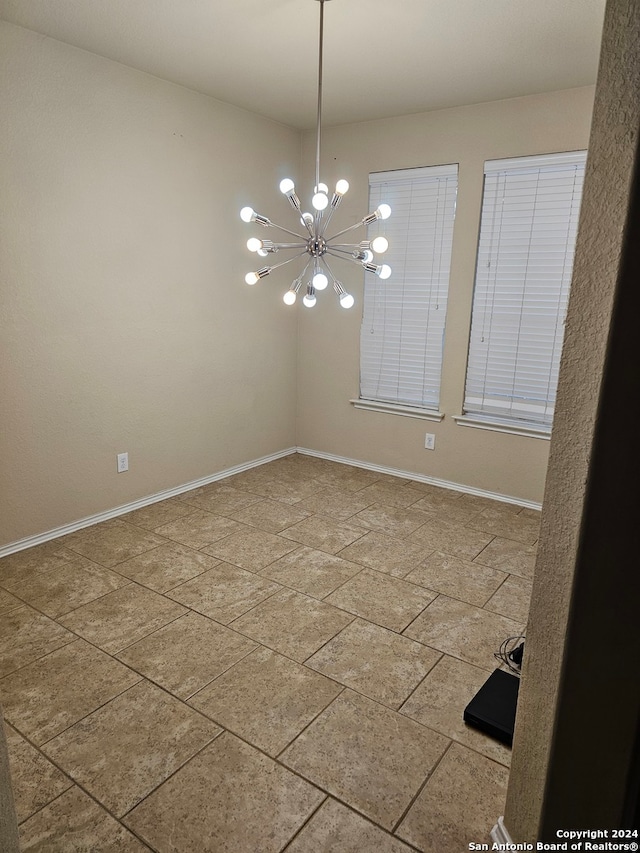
(115, 654)
(500, 585)
(82, 719)
(421, 789)
(182, 766)
(43, 655)
(188, 699)
(422, 680)
(303, 826)
(311, 721)
(404, 631)
(55, 619)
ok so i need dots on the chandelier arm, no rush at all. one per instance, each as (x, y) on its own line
(289, 245)
(344, 230)
(329, 270)
(334, 250)
(304, 271)
(348, 258)
(287, 230)
(346, 300)
(349, 248)
(326, 222)
(288, 261)
(342, 257)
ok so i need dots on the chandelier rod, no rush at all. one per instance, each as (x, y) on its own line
(286, 230)
(344, 231)
(288, 261)
(319, 118)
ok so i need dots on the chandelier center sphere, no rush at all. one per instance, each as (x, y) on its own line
(316, 246)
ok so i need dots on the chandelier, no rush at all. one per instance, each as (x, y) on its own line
(313, 244)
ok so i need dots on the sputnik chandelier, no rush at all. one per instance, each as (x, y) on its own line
(313, 244)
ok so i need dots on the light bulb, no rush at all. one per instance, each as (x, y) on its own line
(263, 252)
(251, 278)
(307, 219)
(320, 281)
(347, 300)
(253, 244)
(289, 298)
(380, 245)
(308, 300)
(246, 214)
(342, 186)
(368, 256)
(384, 271)
(286, 186)
(383, 211)
(320, 200)
(321, 188)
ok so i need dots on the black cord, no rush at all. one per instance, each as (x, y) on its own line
(510, 653)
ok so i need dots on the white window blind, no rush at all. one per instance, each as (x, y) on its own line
(403, 319)
(525, 259)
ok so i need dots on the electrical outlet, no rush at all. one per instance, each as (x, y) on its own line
(430, 441)
(123, 462)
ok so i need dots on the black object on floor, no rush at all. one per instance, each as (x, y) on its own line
(493, 708)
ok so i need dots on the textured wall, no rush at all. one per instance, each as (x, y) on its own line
(126, 323)
(612, 151)
(328, 358)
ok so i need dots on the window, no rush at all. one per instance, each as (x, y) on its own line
(525, 259)
(403, 320)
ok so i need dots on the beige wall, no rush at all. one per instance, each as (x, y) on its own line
(328, 352)
(126, 323)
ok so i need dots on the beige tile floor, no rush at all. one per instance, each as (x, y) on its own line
(277, 661)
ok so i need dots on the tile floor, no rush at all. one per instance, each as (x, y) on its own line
(276, 661)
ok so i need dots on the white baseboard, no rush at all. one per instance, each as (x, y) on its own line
(422, 478)
(57, 532)
(48, 535)
(499, 833)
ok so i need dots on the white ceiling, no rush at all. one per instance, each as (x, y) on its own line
(382, 57)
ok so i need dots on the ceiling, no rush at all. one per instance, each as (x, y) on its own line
(382, 57)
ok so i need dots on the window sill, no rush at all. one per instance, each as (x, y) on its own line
(398, 409)
(531, 431)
